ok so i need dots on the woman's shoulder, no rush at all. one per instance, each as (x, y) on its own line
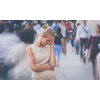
(93, 35)
(30, 47)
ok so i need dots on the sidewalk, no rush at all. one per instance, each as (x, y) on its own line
(72, 68)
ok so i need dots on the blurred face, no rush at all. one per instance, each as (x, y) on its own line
(97, 30)
(73, 24)
(84, 22)
(46, 40)
(61, 24)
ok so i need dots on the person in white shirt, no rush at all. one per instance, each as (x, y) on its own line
(63, 32)
(83, 32)
(38, 26)
(63, 29)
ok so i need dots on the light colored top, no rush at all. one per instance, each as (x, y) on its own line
(63, 31)
(37, 27)
(18, 56)
(7, 40)
(81, 33)
(42, 57)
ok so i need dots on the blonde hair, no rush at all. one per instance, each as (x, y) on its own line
(47, 32)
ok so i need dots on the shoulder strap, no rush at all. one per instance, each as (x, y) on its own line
(84, 30)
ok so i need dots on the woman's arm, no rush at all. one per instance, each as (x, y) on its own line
(52, 57)
(87, 47)
(31, 60)
(88, 43)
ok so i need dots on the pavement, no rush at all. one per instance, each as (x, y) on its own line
(71, 67)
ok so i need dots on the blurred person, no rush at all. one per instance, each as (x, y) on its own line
(23, 24)
(73, 35)
(63, 32)
(41, 57)
(96, 72)
(43, 28)
(57, 44)
(69, 30)
(42, 23)
(29, 25)
(18, 57)
(7, 40)
(37, 26)
(96, 75)
(1, 28)
(50, 25)
(77, 42)
(55, 26)
(93, 42)
(83, 32)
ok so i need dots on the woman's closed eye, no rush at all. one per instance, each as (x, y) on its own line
(48, 40)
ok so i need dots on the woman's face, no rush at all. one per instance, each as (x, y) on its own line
(46, 40)
(97, 30)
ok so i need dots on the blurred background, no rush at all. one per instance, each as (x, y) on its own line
(16, 35)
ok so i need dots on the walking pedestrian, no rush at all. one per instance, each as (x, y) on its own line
(18, 57)
(73, 35)
(77, 42)
(93, 42)
(37, 26)
(57, 44)
(83, 32)
(55, 26)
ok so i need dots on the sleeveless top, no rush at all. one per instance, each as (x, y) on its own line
(42, 57)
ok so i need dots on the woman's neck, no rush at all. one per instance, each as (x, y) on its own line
(39, 44)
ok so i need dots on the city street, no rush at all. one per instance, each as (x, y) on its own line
(72, 68)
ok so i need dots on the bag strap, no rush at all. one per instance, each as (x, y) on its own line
(84, 30)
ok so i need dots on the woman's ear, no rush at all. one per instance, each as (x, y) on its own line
(41, 36)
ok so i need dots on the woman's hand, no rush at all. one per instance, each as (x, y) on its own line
(52, 68)
(86, 55)
(52, 43)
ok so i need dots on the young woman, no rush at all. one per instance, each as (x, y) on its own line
(41, 57)
(57, 44)
(93, 41)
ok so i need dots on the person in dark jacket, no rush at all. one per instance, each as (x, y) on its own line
(93, 42)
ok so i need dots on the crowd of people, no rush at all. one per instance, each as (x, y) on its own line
(34, 52)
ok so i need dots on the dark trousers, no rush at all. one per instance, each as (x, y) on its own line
(92, 57)
(77, 47)
(83, 42)
(3, 71)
